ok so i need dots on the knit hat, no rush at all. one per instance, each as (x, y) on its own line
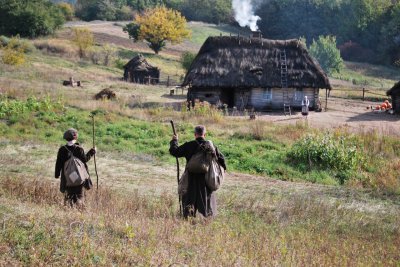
(70, 134)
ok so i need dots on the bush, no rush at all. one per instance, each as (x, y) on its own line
(328, 152)
(94, 55)
(325, 52)
(84, 40)
(187, 59)
(4, 40)
(14, 52)
(15, 107)
(102, 55)
(67, 10)
(120, 63)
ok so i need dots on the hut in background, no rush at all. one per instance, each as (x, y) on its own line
(138, 70)
(255, 73)
(395, 94)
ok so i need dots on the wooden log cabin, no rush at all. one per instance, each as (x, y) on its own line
(138, 70)
(394, 93)
(255, 73)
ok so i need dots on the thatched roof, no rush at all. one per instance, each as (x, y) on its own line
(139, 63)
(395, 89)
(226, 62)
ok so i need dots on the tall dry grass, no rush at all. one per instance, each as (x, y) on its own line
(56, 46)
(121, 229)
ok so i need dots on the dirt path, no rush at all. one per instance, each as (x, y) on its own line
(352, 114)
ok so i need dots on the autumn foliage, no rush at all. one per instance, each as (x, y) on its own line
(158, 26)
(83, 39)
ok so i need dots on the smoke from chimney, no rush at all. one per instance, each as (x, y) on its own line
(244, 14)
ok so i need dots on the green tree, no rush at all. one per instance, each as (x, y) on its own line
(390, 43)
(29, 18)
(187, 59)
(324, 50)
(96, 10)
(158, 26)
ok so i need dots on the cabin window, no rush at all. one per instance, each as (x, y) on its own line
(267, 94)
(299, 94)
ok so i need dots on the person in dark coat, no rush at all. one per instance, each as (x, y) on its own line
(199, 198)
(73, 195)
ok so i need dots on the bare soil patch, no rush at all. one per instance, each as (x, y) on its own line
(352, 114)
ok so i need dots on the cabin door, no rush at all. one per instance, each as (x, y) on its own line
(228, 97)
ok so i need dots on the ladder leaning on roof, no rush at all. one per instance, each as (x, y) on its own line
(284, 83)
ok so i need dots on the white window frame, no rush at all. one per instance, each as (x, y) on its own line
(267, 94)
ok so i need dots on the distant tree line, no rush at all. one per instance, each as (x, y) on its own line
(214, 11)
(366, 30)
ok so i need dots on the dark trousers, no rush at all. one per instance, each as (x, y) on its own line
(75, 196)
(199, 198)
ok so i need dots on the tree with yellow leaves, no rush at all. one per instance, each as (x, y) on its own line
(158, 26)
(83, 38)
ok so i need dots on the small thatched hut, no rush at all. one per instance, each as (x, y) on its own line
(254, 73)
(138, 70)
(395, 94)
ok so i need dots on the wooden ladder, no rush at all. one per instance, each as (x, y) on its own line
(284, 83)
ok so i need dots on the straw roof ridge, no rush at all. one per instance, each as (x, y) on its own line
(139, 63)
(234, 61)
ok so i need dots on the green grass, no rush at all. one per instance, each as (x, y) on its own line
(367, 75)
(268, 155)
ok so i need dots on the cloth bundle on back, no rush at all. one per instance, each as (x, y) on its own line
(198, 194)
(71, 165)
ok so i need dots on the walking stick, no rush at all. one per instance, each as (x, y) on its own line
(177, 168)
(94, 156)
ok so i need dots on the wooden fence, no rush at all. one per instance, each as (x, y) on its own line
(168, 81)
(362, 94)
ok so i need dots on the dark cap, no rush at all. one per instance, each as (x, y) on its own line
(70, 134)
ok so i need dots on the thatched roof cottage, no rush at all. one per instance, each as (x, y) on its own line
(138, 70)
(254, 73)
(395, 94)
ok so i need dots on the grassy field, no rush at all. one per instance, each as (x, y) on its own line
(274, 209)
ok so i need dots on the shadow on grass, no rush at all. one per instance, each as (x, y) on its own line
(371, 116)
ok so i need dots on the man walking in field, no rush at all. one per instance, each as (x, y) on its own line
(74, 194)
(198, 196)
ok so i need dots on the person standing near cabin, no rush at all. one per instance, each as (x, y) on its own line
(305, 106)
(73, 195)
(198, 198)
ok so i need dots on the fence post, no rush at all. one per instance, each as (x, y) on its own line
(168, 81)
(363, 94)
(326, 99)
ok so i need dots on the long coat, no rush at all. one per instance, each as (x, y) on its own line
(62, 157)
(198, 197)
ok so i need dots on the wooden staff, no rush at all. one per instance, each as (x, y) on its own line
(177, 168)
(94, 156)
